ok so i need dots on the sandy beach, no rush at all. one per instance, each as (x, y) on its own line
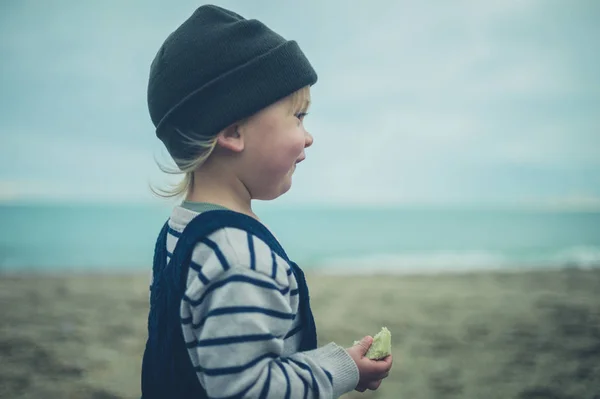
(481, 335)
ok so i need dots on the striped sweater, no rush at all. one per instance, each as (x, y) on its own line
(241, 324)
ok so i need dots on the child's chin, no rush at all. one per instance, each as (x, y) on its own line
(277, 192)
(284, 188)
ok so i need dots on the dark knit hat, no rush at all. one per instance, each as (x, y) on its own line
(218, 68)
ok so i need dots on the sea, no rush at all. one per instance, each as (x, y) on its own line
(60, 238)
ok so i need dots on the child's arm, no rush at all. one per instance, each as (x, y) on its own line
(234, 322)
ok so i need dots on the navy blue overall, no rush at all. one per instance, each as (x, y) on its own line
(167, 371)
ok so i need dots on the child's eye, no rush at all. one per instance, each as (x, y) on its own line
(301, 115)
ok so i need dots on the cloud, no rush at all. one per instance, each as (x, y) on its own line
(55, 167)
(416, 102)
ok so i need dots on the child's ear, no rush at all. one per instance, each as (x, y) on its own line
(231, 139)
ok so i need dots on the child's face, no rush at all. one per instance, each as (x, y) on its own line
(274, 142)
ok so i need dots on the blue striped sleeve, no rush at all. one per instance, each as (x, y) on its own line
(234, 369)
(235, 278)
(294, 331)
(217, 250)
(248, 310)
(252, 252)
(198, 269)
(314, 386)
(265, 390)
(173, 232)
(274, 265)
(287, 380)
(229, 340)
(329, 376)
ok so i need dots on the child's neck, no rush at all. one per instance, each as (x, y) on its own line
(223, 190)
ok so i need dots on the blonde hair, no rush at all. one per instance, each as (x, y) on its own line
(202, 147)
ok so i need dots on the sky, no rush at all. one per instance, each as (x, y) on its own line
(428, 102)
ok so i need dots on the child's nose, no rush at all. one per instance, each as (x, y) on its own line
(308, 140)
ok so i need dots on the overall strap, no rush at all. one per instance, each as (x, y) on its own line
(151, 383)
(207, 223)
(158, 266)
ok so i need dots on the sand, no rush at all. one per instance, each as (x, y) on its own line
(482, 335)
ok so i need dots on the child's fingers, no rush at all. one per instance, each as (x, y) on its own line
(374, 385)
(380, 369)
(377, 369)
(388, 360)
(382, 376)
(365, 343)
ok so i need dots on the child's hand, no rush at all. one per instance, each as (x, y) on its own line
(371, 372)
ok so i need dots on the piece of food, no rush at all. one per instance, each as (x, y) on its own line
(381, 346)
